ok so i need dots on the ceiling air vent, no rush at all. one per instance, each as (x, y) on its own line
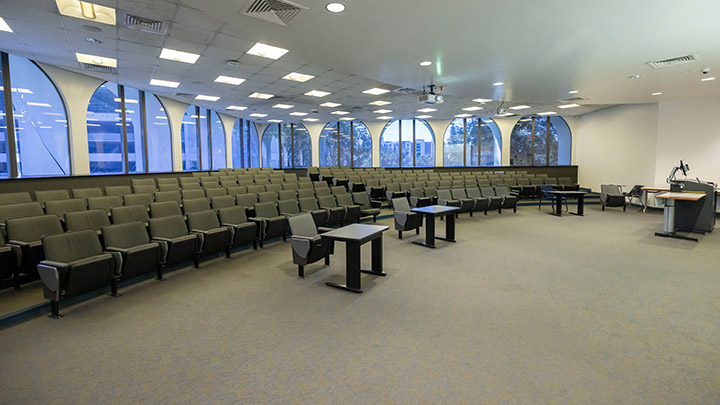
(673, 61)
(144, 24)
(98, 68)
(279, 12)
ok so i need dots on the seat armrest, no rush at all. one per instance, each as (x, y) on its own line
(375, 203)
(402, 216)
(115, 249)
(257, 219)
(57, 265)
(18, 243)
(117, 261)
(159, 239)
(323, 229)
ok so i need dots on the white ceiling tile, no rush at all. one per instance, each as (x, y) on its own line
(139, 37)
(190, 34)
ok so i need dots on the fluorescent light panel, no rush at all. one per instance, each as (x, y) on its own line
(267, 51)
(472, 108)
(380, 103)
(283, 106)
(383, 111)
(707, 79)
(298, 114)
(564, 106)
(164, 83)
(178, 56)
(340, 112)
(261, 95)
(317, 93)
(236, 107)
(482, 100)
(87, 11)
(376, 91)
(258, 115)
(4, 26)
(423, 116)
(207, 98)
(347, 119)
(385, 117)
(498, 84)
(229, 80)
(96, 60)
(311, 119)
(331, 105)
(298, 77)
(547, 113)
(275, 121)
(520, 107)
(463, 115)
(427, 110)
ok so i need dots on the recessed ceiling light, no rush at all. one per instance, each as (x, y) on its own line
(425, 63)
(298, 77)
(426, 110)
(482, 100)
(568, 106)
(380, 103)
(317, 93)
(178, 56)
(4, 26)
(275, 120)
(310, 119)
(634, 76)
(504, 115)
(261, 95)
(283, 106)
(335, 7)
(164, 83)
(547, 113)
(331, 105)
(258, 115)
(96, 60)
(298, 114)
(385, 117)
(340, 112)
(207, 98)
(376, 91)
(347, 119)
(86, 11)
(267, 51)
(229, 80)
(707, 79)
(657, 93)
(498, 84)
(236, 107)
(93, 40)
(383, 111)
(423, 116)
(472, 108)
(520, 107)
(463, 115)
(573, 92)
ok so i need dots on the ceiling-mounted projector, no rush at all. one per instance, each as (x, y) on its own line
(430, 99)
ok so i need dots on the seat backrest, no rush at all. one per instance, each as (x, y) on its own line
(344, 199)
(203, 220)
(361, 199)
(417, 192)
(105, 203)
(232, 215)
(15, 198)
(327, 201)
(117, 190)
(473, 192)
(545, 188)
(189, 180)
(59, 207)
(30, 229)
(550, 180)
(223, 201)
(637, 190)
(165, 209)
(142, 182)
(90, 219)
(215, 192)
(210, 186)
(458, 193)
(134, 199)
(273, 187)
(322, 191)
(163, 196)
(130, 213)
(266, 210)
(335, 190)
(49, 195)
(287, 207)
(306, 192)
(487, 191)
(287, 195)
(256, 189)
(564, 181)
(308, 203)
(236, 190)
(168, 227)
(502, 191)
(246, 200)
(71, 246)
(444, 194)
(144, 188)
(196, 205)
(125, 235)
(609, 189)
(190, 195)
(401, 204)
(167, 180)
(302, 225)
(209, 181)
(290, 186)
(268, 196)
(392, 187)
(168, 187)
(87, 192)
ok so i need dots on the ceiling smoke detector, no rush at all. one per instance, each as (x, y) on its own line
(233, 63)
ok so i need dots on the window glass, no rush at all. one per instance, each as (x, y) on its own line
(158, 136)
(271, 147)
(540, 142)
(406, 132)
(472, 140)
(560, 142)
(344, 139)
(549, 138)
(521, 143)
(390, 145)
(104, 128)
(254, 154)
(328, 145)
(302, 146)
(362, 145)
(133, 122)
(41, 131)
(453, 143)
(203, 130)
(219, 159)
(286, 142)
(4, 159)
(245, 144)
(490, 143)
(189, 140)
(424, 144)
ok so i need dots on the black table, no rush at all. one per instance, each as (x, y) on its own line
(430, 212)
(580, 195)
(354, 236)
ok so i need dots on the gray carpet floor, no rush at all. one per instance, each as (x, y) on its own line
(525, 308)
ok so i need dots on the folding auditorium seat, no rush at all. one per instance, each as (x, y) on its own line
(509, 199)
(310, 204)
(444, 197)
(20, 210)
(287, 195)
(130, 213)
(244, 232)
(139, 254)
(179, 245)
(291, 177)
(611, 195)
(268, 196)
(290, 186)
(190, 183)
(466, 204)
(322, 191)
(10, 259)
(75, 264)
(392, 190)
(495, 201)
(15, 198)
(273, 187)
(256, 189)
(306, 192)
(418, 198)
(144, 189)
(144, 199)
(209, 185)
(405, 220)
(336, 214)
(247, 201)
(335, 190)
(481, 203)
(567, 184)
(215, 192)
(165, 209)
(368, 207)
(26, 235)
(352, 214)
(247, 182)
(106, 203)
(214, 238)
(223, 201)
(270, 222)
(195, 205)
(187, 195)
(288, 207)
(90, 219)
(60, 207)
(86, 193)
(169, 181)
(304, 185)
(142, 182)
(168, 186)
(117, 190)
(44, 196)
(307, 245)
(233, 191)
(165, 196)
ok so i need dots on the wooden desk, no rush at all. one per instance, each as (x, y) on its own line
(669, 230)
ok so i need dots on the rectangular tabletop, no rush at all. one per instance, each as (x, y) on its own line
(681, 196)
(435, 209)
(355, 233)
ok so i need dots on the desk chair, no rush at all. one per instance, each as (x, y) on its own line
(405, 220)
(611, 195)
(545, 195)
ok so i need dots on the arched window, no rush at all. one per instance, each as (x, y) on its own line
(286, 146)
(143, 141)
(202, 138)
(407, 143)
(189, 140)
(245, 148)
(540, 141)
(345, 143)
(34, 137)
(462, 138)
(217, 142)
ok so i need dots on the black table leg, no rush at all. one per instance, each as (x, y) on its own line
(429, 232)
(352, 269)
(580, 205)
(377, 258)
(558, 206)
(449, 229)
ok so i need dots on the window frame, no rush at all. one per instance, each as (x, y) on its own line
(337, 140)
(198, 134)
(280, 144)
(465, 142)
(240, 122)
(547, 140)
(415, 122)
